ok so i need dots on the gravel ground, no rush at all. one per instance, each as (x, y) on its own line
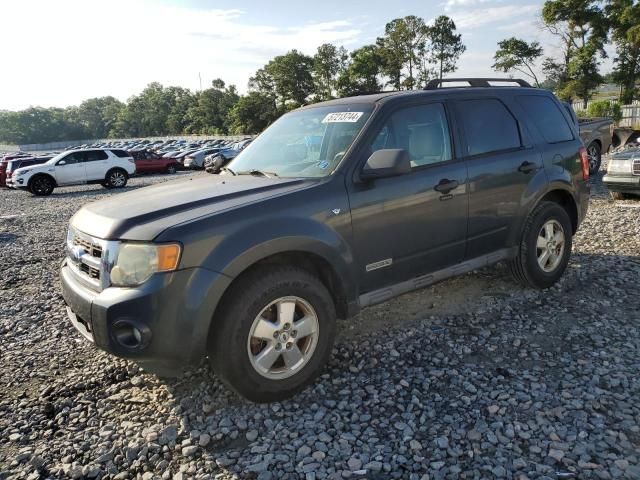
(472, 378)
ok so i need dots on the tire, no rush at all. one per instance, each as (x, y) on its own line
(594, 154)
(116, 178)
(41, 185)
(527, 267)
(234, 353)
(171, 169)
(618, 195)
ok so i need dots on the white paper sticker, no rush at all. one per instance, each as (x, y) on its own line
(337, 117)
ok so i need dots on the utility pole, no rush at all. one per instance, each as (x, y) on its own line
(200, 78)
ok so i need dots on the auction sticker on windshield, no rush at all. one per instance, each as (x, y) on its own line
(337, 117)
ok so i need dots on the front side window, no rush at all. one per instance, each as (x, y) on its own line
(488, 126)
(73, 158)
(304, 143)
(421, 130)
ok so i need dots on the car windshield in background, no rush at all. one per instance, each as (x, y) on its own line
(305, 143)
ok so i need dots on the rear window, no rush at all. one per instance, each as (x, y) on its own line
(120, 153)
(547, 117)
(488, 126)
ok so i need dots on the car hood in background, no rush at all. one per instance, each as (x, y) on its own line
(145, 213)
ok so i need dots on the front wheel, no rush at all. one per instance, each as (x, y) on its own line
(545, 247)
(171, 169)
(116, 178)
(594, 155)
(41, 186)
(274, 333)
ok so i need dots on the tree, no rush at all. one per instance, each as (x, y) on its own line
(624, 18)
(253, 113)
(402, 49)
(516, 54)
(582, 27)
(209, 113)
(328, 63)
(287, 78)
(97, 115)
(361, 76)
(446, 45)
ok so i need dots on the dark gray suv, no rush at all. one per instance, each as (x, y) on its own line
(335, 207)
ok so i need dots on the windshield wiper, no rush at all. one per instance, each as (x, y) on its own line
(258, 173)
(227, 169)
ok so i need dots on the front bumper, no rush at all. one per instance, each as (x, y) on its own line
(626, 183)
(171, 313)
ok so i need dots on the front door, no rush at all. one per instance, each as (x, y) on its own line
(412, 224)
(70, 169)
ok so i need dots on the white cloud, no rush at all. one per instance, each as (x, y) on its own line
(75, 49)
(451, 4)
(468, 19)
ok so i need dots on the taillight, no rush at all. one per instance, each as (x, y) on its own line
(584, 158)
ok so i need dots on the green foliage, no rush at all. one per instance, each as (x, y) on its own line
(287, 78)
(209, 113)
(361, 76)
(253, 113)
(518, 55)
(624, 18)
(328, 63)
(604, 108)
(582, 26)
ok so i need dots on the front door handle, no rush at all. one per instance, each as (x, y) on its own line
(445, 185)
(526, 167)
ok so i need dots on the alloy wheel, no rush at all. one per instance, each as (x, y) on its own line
(550, 246)
(283, 338)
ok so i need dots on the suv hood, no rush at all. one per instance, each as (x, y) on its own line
(39, 166)
(145, 213)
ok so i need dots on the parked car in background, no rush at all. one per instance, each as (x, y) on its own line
(251, 268)
(214, 162)
(110, 168)
(4, 161)
(597, 135)
(149, 162)
(196, 159)
(17, 163)
(623, 173)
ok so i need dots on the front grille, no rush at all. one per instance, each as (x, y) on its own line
(91, 271)
(89, 247)
(635, 169)
(90, 259)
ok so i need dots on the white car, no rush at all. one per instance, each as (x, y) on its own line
(110, 168)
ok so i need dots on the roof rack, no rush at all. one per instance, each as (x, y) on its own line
(473, 82)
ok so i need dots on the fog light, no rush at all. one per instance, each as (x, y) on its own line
(131, 335)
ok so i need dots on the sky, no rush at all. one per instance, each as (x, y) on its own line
(58, 53)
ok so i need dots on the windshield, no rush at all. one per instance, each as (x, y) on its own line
(304, 143)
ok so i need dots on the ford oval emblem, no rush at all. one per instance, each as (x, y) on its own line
(76, 253)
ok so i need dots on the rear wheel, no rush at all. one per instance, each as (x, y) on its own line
(273, 334)
(41, 185)
(545, 247)
(595, 157)
(116, 178)
(171, 169)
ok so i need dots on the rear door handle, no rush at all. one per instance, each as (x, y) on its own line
(526, 167)
(445, 185)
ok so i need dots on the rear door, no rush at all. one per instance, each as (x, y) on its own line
(96, 164)
(416, 223)
(70, 169)
(504, 169)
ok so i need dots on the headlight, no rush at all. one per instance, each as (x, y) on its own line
(619, 166)
(136, 262)
(17, 174)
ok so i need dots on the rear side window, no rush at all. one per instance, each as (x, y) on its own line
(120, 153)
(488, 126)
(547, 117)
(94, 155)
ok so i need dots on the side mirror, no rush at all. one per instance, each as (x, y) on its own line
(386, 163)
(62, 162)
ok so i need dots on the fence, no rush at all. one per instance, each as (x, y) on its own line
(630, 113)
(56, 146)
